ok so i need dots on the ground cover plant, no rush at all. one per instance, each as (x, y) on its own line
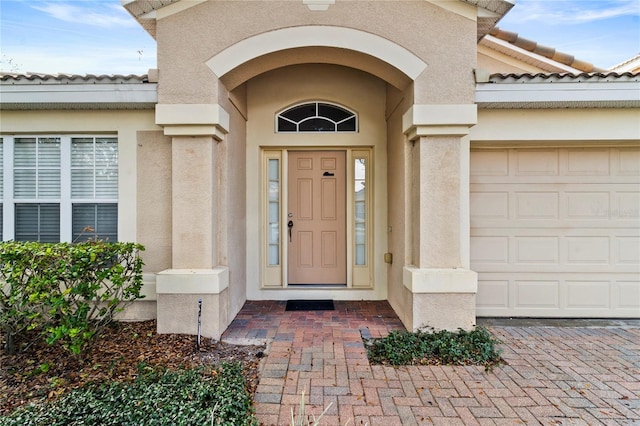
(156, 397)
(130, 365)
(430, 347)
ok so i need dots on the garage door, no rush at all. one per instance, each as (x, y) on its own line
(555, 232)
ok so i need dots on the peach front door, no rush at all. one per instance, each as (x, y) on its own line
(316, 228)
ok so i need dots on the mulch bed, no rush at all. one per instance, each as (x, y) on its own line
(44, 372)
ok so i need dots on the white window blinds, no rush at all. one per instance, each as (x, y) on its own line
(36, 168)
(38, 222)
(95, 221)
(1, 188)
(59, 188)
(94, 168)
(1, 171)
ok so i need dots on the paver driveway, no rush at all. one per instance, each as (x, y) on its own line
(555, 375)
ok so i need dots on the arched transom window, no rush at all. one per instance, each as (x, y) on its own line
(316, 117)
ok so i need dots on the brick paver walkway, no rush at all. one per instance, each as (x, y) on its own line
(554, 376)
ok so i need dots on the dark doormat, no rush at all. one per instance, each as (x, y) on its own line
(309, 305)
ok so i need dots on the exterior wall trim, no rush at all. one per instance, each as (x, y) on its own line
(558, 127)
(431, 120)
(193, 120)
(103, 95)
(440, 280)
(589, 93)
(325, 36)
(192, 281)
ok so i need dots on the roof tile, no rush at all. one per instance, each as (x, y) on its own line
(546, 51)
(557, 76)
(35, 78)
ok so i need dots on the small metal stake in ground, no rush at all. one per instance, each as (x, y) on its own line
(199, 323)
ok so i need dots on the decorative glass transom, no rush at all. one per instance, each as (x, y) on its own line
(316, 117)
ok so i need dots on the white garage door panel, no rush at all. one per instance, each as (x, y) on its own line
(558, 295)
(555, 205)
(556, 232)
(555, 250)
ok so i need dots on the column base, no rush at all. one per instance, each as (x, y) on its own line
(178, 292)
(444, 299)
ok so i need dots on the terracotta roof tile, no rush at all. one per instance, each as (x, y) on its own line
(631, 64)
(35, 78)
(557, 76)
(546, 51)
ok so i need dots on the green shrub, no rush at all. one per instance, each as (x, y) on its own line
(438, 347)
(66, 292)
(156, 397)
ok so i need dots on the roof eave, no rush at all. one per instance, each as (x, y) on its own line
(78, 96)
(490, 12)
(557, 94)
(144, 11)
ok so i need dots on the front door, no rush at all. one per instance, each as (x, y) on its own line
(316, 217)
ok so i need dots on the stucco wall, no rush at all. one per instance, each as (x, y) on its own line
(428, 31)
(154, 199)
(398, 151)
(232, 203)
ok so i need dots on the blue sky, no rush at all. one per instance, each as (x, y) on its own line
(100, 37)
(603, 32)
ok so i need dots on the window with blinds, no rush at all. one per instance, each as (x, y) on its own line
(94, 168)
(36, 178)
(1, 187)
(38, 222)
(94, 177)
(36, 168)
(93, 221)
(1, 170)
(61, 188)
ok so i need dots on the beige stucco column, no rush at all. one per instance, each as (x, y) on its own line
(441, 287)
(196, 130)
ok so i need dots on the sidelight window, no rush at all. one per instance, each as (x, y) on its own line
(360, 210)
(274, 211)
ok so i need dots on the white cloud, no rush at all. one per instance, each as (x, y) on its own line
(107, 16)
(573, 11)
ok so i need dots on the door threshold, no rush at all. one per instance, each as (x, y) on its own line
(316, 286)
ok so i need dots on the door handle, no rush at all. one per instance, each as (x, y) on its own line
(290, 226)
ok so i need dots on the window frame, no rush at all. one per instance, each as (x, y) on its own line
(65, 200)
(317, 104)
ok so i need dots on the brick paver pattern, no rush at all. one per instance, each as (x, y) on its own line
(553, 376)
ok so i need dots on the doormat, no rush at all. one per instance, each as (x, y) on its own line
(309, 305)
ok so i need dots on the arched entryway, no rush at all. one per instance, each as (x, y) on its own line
(313, 179)
(416, 159)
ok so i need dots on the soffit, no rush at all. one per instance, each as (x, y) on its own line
(145, 12)
(491, 11)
